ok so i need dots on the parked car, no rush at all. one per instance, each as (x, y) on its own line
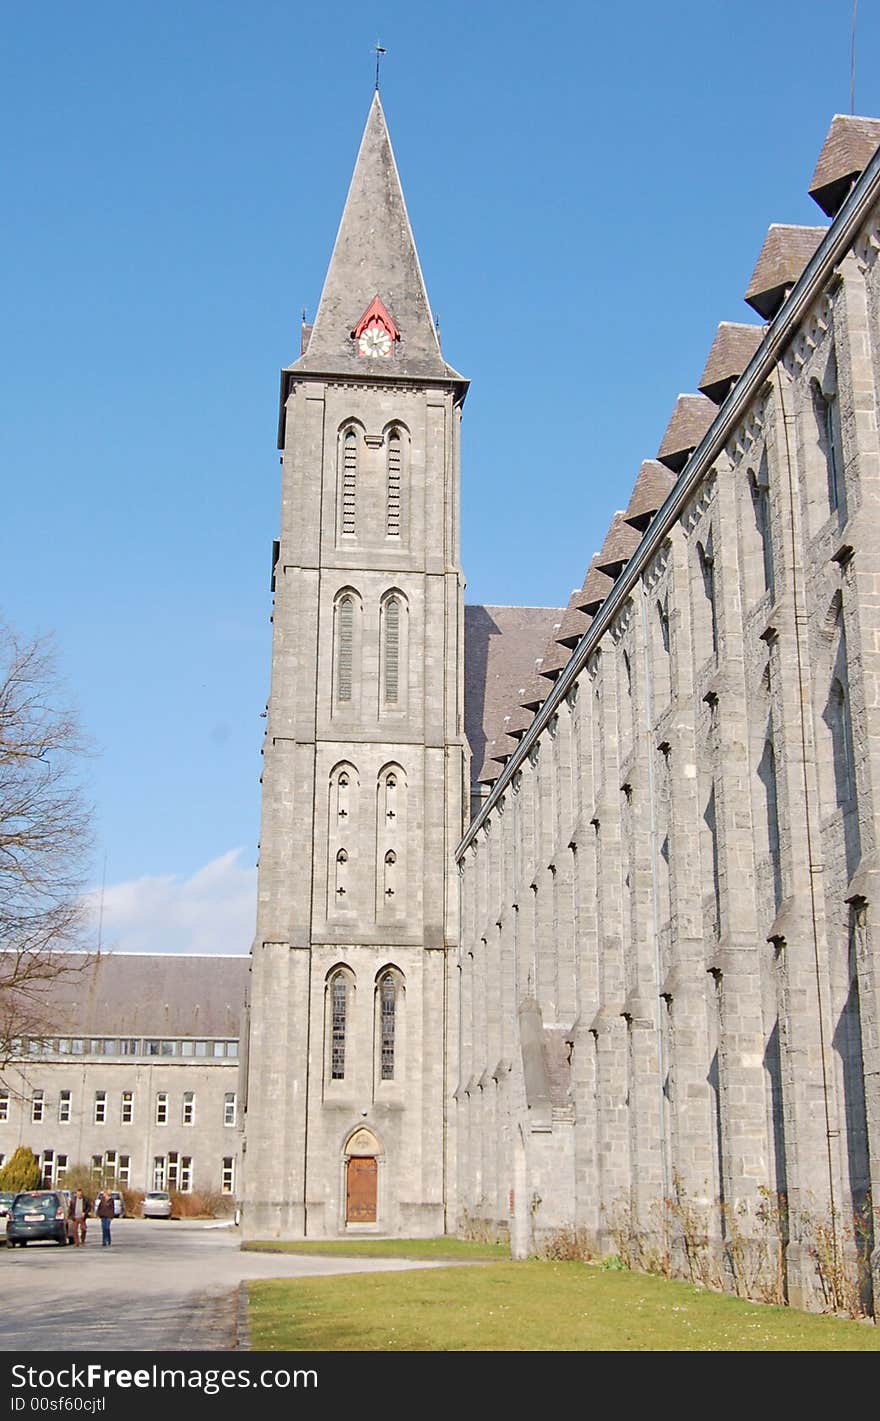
(157, 1204)
(38, 1214)
(6, 1198)
(68, 1195)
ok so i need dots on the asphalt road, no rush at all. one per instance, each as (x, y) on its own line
(163, 1285)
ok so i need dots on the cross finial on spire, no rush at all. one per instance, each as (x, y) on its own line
(378, 51)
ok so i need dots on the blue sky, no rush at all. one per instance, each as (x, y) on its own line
(589, 188)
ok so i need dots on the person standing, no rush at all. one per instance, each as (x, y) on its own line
(80, 1208)
(106, 1210)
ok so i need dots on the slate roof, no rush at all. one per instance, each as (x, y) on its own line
(688, 423)
(536, 691)
(574, 623)
(732, 348)
(784, 255)
(374, 255)
(849, 147)
(500, 648)
(620, 543)
(149, 994)
(597, 585)
(653, 482)
(555, 656)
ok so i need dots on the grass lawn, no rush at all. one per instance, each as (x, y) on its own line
(534, 1306)
(387, 1248)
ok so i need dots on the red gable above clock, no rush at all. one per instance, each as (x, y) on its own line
(375, 332)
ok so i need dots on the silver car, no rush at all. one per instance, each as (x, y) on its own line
(157, 1204)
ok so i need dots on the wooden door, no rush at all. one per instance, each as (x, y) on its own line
(360, 1193)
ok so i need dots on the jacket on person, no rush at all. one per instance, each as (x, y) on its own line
(106, 1208)
(87, 1207)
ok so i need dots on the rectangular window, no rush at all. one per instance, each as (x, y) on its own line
(124, 1171)
(186, 1048)
(4, 1106)
(229, 1108)
(173, 1170)
(189, 1107)
(227, 1176)
(186, 1174)
(111, 1048)
(162, 1108)
(110, 1166)
(127, 1107)
(159, 1172)
(100, 1107)
(232, 1048)
(47, 1166)
(129, 1047)
(37, 1104)
(60, 1169)
(97, 1168)
(64, 1107)
(201, 1048)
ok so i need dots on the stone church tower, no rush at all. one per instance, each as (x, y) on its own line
(364, 759)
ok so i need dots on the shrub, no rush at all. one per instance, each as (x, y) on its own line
(132, 1199)
(79, 1176)
(568, 1244)
(22, 1171)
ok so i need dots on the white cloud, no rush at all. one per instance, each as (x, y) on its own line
(214, 911)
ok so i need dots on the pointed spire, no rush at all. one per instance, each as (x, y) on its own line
(375, 266)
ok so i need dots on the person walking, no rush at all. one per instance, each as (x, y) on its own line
(80, 1208)
(106, 1211)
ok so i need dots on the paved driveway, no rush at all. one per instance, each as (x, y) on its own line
(164, 1285)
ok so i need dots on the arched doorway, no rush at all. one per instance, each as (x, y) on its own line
(361, 1177)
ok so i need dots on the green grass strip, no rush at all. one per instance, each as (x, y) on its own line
(534, 1306)
(386, 1248)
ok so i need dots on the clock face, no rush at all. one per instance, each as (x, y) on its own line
(374, 341)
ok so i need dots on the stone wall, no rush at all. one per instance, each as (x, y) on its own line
(669, 965)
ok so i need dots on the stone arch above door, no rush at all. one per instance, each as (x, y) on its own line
(363, 1144)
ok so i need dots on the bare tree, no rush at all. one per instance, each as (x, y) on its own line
(45, 839)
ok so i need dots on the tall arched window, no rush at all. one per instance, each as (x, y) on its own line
(710, 820)
(663, 620)
(759, 489)
(825, 408)
(340, 988)
(348, 501)
(706, 558)
(344, 647)
(837, 718)
(387, 1024)
(392, 485)
(392, 651)
(768, 778)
